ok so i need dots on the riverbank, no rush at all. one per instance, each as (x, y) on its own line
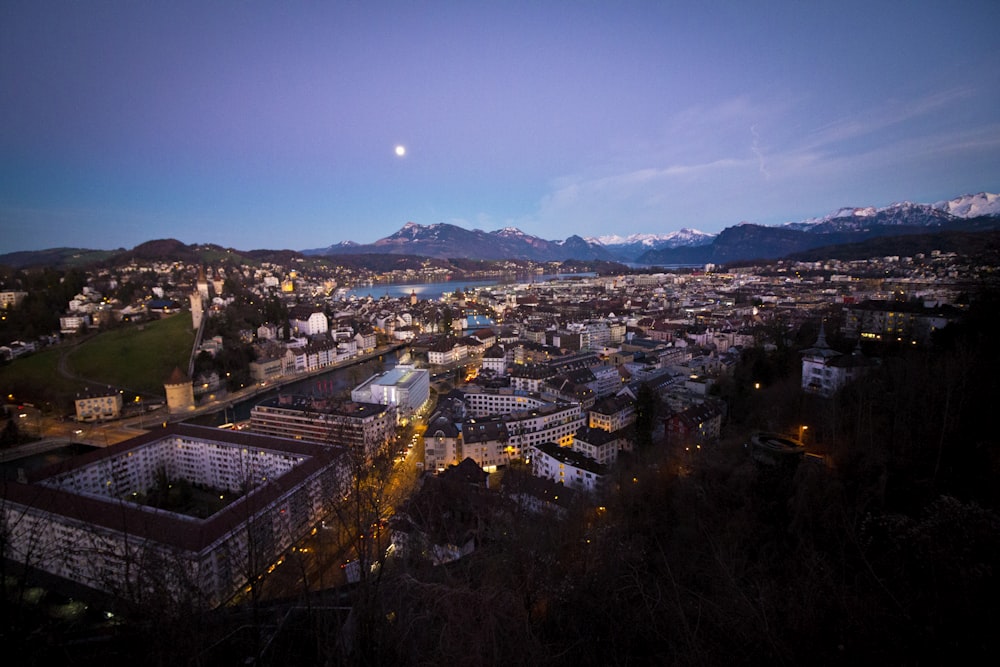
(58, 434)
(248, 393)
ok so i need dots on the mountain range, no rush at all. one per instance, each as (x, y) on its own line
(741, 242)
(958, 219)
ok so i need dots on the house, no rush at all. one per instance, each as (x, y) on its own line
(537, 495)
(306, 320)
(696, 425)
(98, 406)
(495, 360)
(824, 370)
(441, 522)
(442, 442)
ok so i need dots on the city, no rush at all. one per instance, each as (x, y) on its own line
(426, 425)
(576, 334)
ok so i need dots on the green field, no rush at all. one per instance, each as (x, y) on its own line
(36, 379)
(136, 359)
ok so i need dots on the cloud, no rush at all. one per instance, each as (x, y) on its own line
(702, 171)
(755, 147)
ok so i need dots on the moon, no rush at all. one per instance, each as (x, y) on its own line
(400, 150)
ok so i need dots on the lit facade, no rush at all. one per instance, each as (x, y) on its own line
(404, 387)
(98, 408)
(368, 427)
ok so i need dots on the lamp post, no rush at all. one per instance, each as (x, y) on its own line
(802, 432)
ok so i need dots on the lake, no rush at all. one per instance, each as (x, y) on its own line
(433, 291)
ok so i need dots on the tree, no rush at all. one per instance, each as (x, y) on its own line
(645, 417)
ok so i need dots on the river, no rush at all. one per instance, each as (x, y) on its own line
(331, 382)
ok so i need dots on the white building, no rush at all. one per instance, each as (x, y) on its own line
(447, 351)
(824, 370)
(568, 467)
(308, 320)
(99, 407)
(86, 524)
(405, 387)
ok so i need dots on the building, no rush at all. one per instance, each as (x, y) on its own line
(447, 351)
(600, 445)
(306, 320)
(98, 406)
(367, 427)
(613, 413)
(197, 307)
(568, 467)
(695, 425)
(442, 442)
(72, 324)
(11, 298)
(824, 370)
(495, 360)
(404, 387)
(896, 321)
(485, 442)
(267, 368)
(84, 521)
(529, 418)
(537, 494)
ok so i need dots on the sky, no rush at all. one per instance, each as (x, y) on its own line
(275, 124)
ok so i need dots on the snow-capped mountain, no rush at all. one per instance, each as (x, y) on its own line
(971, 206)
(681, 237)
(905, 214)
(843, 226)
(690, 246)
(629, 248)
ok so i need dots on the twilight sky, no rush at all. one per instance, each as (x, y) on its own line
(274, 124)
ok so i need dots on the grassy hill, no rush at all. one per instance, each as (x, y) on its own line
(136, 359)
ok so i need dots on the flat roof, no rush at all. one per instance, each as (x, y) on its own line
(400, 377)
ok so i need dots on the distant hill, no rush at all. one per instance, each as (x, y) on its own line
(980, 246)
(56, 257)
(446, 241)
(166, 250)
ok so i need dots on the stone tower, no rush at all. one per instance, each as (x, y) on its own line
(197, 309)
(180, 392)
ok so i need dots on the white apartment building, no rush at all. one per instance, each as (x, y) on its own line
(84, 525)
(308, 321)
(447, 351)
(565, 466)
(599, 445)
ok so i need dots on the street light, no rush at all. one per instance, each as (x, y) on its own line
(802, 432)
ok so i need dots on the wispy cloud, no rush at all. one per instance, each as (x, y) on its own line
(712, 166)
(882, 116)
